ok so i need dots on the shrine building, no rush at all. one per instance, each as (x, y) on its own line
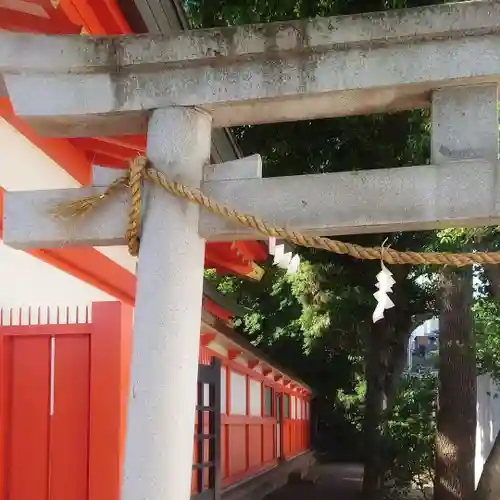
(66, 320)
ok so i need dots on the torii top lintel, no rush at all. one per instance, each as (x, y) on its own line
(80, 86)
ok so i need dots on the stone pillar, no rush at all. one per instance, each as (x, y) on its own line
(464, 124)
(161, 411)
(464, 127)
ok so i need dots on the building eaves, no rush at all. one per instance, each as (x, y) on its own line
(167, 17)
(221, 300)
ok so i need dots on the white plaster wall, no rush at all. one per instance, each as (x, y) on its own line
(223, 396)
(238, 394)
(25, 167)
(255, 398)
(206, 395)
(488, 420)
(26, 281)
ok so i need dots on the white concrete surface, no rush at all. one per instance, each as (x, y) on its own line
(161, 409)
(278, 72)
(488, 420)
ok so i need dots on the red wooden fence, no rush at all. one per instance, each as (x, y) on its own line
(63, 401)
(63, 394)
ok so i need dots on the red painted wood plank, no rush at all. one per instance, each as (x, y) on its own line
(28, 449)
(5, 402)
(111, 343)
(14, 20)
(70, 422)
(105, 148)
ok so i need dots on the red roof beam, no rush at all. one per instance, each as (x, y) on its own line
(14, 20)
(216, 310)
(103, 148)
(206, 338)
(135, 142)
(105, 161)
(98, 17)
(251, 250)
(232, 354)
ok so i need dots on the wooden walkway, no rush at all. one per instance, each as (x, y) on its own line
(335, 481)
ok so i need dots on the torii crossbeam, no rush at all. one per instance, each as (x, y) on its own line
(177, 88)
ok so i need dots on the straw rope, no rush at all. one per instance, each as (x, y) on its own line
(140, 170)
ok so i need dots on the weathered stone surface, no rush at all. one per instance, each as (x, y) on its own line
(29, 221)
(243, 168)
(253, 74)
(249, 167)
(456, 194)
(465, 124)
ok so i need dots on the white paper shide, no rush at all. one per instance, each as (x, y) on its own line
(385, 282)
(283, 258)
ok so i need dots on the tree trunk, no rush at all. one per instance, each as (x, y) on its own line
(489, 483)
(456, 420)
(492, 272)
(374, 410)
(385, 362)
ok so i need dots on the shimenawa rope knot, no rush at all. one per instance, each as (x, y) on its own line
(141, 170)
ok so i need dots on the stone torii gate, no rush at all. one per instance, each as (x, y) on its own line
(177, 89)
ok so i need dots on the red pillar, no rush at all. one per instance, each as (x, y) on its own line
(3, 409)
(111, 344)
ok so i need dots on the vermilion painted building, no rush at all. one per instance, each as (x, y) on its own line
(64, 386)
(64, 370)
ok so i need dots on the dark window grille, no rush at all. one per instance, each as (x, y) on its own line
(209, 375)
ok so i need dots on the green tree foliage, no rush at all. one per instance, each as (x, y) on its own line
(486, 308)
(410, 433)
(319, 322)
(332, 299)
(487, 326)
(210, 13)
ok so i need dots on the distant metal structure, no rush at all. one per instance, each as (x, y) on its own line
(429, 329)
